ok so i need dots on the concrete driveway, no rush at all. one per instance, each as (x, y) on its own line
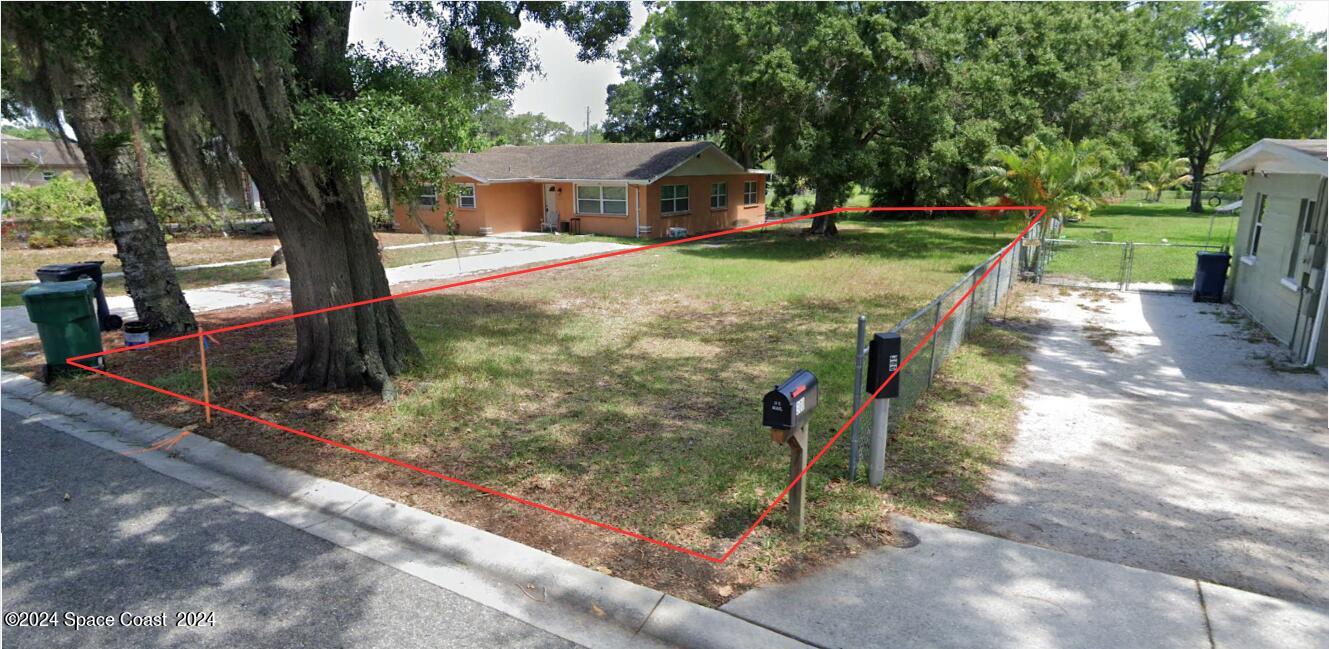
(1160, 433)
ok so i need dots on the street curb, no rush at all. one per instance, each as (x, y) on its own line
(561, 597)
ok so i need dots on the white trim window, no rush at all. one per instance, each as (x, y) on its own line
(719, 196)
(1257, 226)
(749, 192)
(602, 200)
(673, 199)
(428, 197)
(466, 196)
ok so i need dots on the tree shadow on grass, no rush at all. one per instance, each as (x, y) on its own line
(906, 241)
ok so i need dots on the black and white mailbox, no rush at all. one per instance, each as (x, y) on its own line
(788, 406)
(786, 411)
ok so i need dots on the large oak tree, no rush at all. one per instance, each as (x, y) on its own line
(55, 71)
(307, 115)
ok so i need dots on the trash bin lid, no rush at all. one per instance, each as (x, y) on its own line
(51, 291)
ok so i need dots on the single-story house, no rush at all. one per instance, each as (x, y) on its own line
(36, 162)
(1278, 275)
(652, 189)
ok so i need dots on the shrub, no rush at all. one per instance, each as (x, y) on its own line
(57, 213)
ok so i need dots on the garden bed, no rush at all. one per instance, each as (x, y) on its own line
(627, 390)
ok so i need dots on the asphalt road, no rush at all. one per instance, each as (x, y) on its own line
(88, 533)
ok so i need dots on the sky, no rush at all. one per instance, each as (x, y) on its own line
(566, 88)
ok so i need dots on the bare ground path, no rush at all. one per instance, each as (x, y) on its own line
(1159, 433)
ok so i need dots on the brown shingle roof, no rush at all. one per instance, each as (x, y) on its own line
(14, 151)
(630, 161)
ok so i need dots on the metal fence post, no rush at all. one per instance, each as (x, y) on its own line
(996, 287)
(932, 353)
(858, 396)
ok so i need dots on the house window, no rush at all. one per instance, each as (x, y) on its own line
(48, 176)
(750, 192)
(602, 199)
(466, 196)
(428, 196)
(673, 199)
(1305, 216)
(719, 196)
(1257, 226)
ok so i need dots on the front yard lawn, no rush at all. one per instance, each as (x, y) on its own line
(628, 390)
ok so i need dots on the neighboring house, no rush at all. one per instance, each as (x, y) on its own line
(35, 162)
(1278, 275)
(651, 189)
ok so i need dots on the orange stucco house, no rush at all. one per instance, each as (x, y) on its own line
(653, 189)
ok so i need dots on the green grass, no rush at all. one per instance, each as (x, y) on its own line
(1150, 226)
(629, 391)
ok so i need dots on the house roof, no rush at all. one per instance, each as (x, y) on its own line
(642, 162)
(44, 153)
(1272, 155)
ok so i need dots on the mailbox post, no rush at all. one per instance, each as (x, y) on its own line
(786, 411)
(883, 360)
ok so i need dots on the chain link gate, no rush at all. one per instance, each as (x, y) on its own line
(1119, 266)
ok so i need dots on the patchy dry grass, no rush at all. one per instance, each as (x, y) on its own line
(628, 391)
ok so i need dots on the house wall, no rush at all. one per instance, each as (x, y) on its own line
(700, 217)
(1260, 282)
(505, 207)
(515, 207)
(617, 226)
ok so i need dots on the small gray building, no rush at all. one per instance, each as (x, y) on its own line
(1278, 269)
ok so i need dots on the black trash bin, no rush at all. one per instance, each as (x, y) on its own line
(1210, 276)
(92, 270)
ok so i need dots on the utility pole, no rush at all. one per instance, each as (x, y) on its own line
(588, 124)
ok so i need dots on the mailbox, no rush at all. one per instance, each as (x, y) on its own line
(791, 403)
(884, 358)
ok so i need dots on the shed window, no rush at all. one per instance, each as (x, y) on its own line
(719, 196)
(428, 196)
(48, 176)
(466, 196)
(673, 199)
(750, 192)
(602, 199)
(1258, 225)
(1305, 220)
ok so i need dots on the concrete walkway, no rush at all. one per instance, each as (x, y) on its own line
(1155, 434)
(962, 589)
(14, 323)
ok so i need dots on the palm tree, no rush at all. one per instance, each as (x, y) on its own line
(1157, 176)
(1070, 179)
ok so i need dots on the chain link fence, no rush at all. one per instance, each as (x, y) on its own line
(1121, 266)
(917, 374)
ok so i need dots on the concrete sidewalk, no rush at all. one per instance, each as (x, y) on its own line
(958, 588)
(14, 323)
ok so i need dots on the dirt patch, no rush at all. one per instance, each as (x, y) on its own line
(1100, 337)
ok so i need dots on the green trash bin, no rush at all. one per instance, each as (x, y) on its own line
(66, 317)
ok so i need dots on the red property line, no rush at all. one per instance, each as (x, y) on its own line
(1040, 211)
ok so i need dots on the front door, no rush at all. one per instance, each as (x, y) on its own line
(551, 209)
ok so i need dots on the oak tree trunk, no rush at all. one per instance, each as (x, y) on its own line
(332, 259)
(105, 137)
(823, 225)
(1197, 184)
